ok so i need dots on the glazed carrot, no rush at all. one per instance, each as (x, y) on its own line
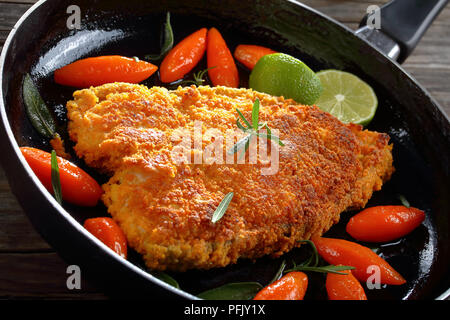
(77, 186)
(183, 57)
(109, 232)
(292, 286)
(338, 251)
(384, 223)
(344, 287)
(104, 69)
(249, 54)
(222, 68)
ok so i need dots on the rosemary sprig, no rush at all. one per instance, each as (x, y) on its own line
(198, 78)
(279, 273)
(222, 207)
(56, 182)
(312, 263)
(252, 130)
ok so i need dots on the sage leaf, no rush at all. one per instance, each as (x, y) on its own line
(167, 279)
(232, 291)
(167, 41)
(37, 110)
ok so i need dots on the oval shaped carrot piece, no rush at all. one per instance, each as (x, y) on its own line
(96, 71)
(108, 232)
(222, 68)
(183, 57)
(344, 287)
(249, 54)
(338, 251)
(291, 286)
(77, 186)
(384, 223)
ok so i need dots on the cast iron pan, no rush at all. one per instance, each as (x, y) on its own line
(420, 131)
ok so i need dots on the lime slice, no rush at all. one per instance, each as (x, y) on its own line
(347, 97)
(280, 74)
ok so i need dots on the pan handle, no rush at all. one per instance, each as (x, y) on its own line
(402, 23)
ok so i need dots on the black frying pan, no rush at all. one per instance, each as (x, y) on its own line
(419, 129)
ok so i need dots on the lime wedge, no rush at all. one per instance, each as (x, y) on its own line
(347, 97)
(280, 74)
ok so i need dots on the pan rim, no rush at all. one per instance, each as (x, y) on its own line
(77, 226)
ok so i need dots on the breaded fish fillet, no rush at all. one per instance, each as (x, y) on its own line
(165, 207)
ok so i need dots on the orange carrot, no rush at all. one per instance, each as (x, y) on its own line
(183, 57)
(104, 69)
(77, 186)
(384, 223)
(292, 286)
(344, 287)
(338, 251)
(109, 232)
(249, 54)
(222, 68)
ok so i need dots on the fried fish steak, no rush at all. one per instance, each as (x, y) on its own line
(165, 207)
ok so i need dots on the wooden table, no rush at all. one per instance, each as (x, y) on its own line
(29, 267)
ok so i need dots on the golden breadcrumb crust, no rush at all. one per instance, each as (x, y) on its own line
(165, 207)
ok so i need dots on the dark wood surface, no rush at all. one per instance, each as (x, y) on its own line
(29, 267)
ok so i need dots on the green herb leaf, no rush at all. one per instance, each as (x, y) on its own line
(315, 254)
(243, 119)
(247, 145)
(56, 182)
(198, 78)
(223, 206)
(252, 129)
(37, 110)
(271, 137)
(403, 200)
(279, 273)
(167, 43)
(307, 266)
(255, 114)
(323, 269)
(166, 278)
(239, 125)
(232, 291)
(240, 144)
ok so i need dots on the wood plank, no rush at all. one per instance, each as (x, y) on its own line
(19, 1)
(40, 275)
(17, 233)
(10, 13)
(3, 36)
(352, 11)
